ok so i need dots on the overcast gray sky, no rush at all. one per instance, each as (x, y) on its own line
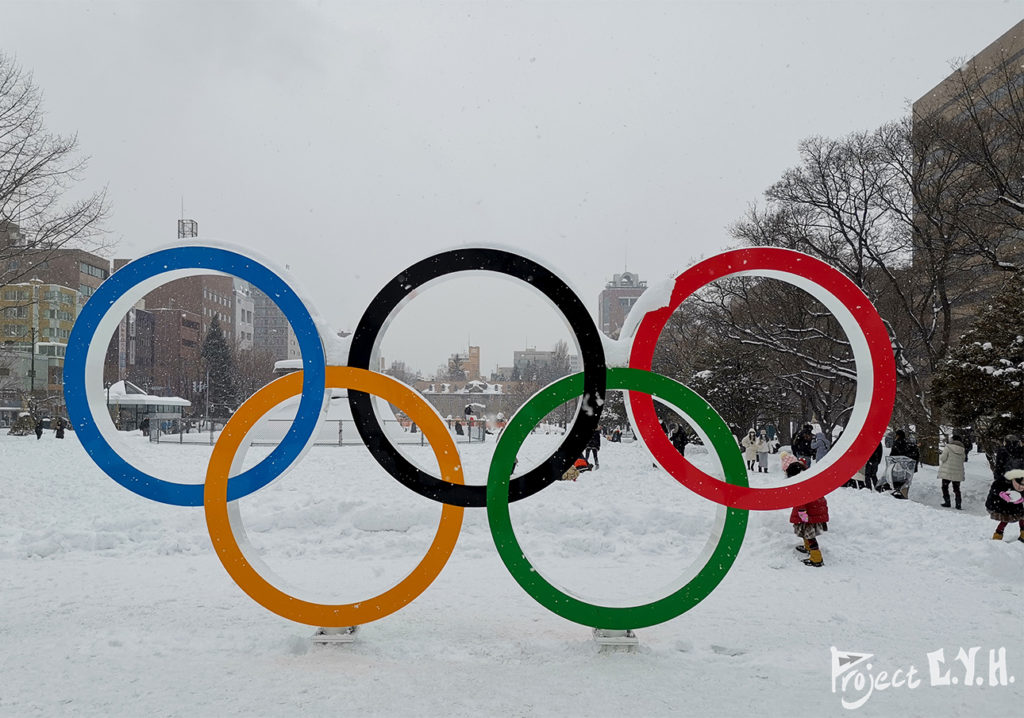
(349, 140)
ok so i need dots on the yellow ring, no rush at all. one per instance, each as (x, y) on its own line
(218, 518)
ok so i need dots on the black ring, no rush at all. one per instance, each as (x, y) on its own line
(378, 314)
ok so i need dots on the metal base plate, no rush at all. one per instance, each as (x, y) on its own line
(341, 634)
(605, 637)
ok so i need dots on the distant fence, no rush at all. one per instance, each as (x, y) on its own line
(333, 432)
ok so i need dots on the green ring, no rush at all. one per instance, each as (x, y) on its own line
(731, 530)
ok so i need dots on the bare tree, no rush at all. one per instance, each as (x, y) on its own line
(254, 368)
(988, 133)
(761, 352)
(37, 171)
(909, 219)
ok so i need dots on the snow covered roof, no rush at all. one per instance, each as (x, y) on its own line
(125, 393)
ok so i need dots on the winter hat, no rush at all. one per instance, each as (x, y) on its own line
(1015, 474)
(1012, 439)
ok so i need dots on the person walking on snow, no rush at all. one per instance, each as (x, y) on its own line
(809, 521)
(951, 469)
(39, 429)
(749, 444)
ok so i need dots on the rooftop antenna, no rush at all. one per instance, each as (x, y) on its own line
(625, 259)
(182, 207)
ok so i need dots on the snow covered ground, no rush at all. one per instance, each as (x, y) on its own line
(116, 606)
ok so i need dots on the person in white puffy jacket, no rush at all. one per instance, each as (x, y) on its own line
(749, 444)
(951, 469)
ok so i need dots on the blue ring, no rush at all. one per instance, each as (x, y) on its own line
(192, 257)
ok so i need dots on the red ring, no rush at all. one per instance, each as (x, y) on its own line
(754, 261)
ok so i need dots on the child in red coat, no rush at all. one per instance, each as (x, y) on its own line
(809, 521)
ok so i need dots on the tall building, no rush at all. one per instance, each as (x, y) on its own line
(468, 364)
(615, 301)
(42, 289)
(131, 353)
(271, 330)
(177, 351)
(73, 268)
(35, 323)
(205, 295)
(244, 307)
(976, 113)
(989, 68)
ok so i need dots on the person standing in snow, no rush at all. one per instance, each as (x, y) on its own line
(951, 469)
(1005, 503)
(749, 444)
(902, 447)
(679, 439)
(809, 521)
(60, 429)
(903, 472)
(871, 468)
(761, 448)
(39, 429)
(820, 445)
(593, 446)
(1008, 456)
(801, 445)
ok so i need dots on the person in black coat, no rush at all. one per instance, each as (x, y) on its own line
(902, 447)
(871, 468)
(39, 429)
(593, 446)
(801, 444)
(1005, 502)
(60, 429)
(1009, 456)
(679, 439)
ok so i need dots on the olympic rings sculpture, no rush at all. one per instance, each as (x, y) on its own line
(225, 482)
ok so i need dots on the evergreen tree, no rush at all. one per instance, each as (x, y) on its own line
(982, 382)
(219, 365)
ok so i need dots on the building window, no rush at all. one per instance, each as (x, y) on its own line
(92, 271)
